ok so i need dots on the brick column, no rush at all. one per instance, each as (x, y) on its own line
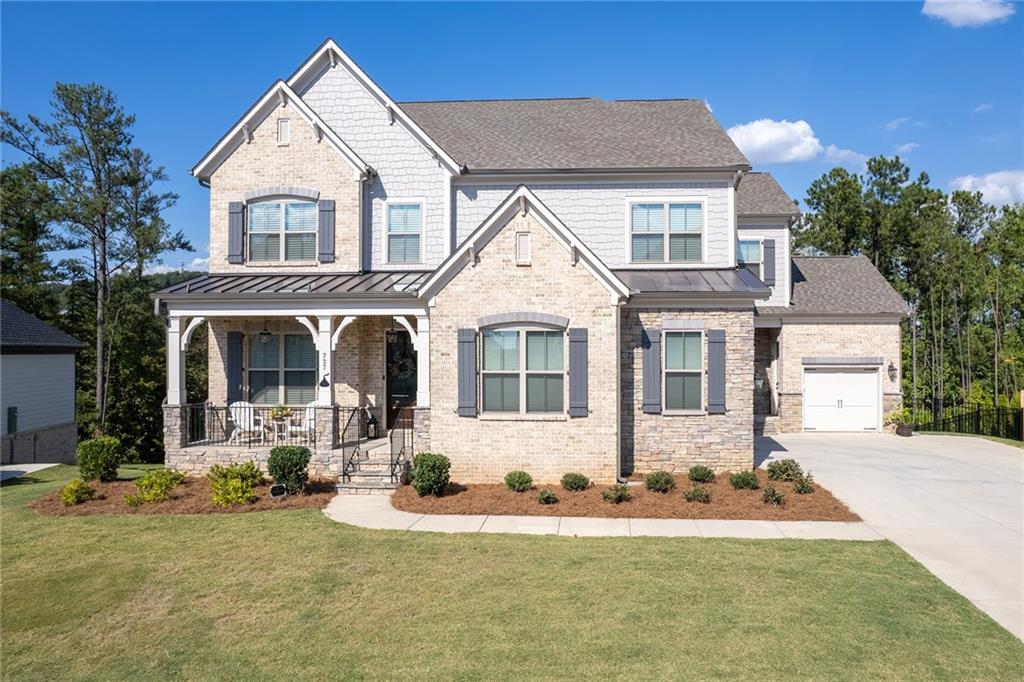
(175, 430)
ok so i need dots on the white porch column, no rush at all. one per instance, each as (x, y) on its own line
(422, 361)
(175, 363)
(325, 378)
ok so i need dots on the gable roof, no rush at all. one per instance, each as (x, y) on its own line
(22, 332)
(836, 286)
(516, 201)
(277, 94)
(579, 134)
(760, 194)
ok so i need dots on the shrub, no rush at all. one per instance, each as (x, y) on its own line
(659, 481)
(698, 494)
(246, 471)
(804, 484)
(902, 415)
(617, 493)
(430, 473)
(234, 484)
(156, 486)
(98, 458)
(784, 470)
(575, 482)
(701, 474)
(547, 497)
(744, 480)
(77, 492)
(289, 466)
(772, 496)
(519, 481)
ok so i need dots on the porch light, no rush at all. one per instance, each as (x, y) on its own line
(892, 372)
(264, 336)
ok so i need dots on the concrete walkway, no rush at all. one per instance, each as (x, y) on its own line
(375, 511)
(16, 470)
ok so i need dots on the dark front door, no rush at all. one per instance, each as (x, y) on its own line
(400, 373)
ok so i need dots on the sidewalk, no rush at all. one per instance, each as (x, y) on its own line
(375, 511)
(15, 470)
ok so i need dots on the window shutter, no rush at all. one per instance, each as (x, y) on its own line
(651, 343)
(326, 231)
(768, 255)
(716, 371)
(578, 373)
(233, 364)
(467, 372)
(236, 236)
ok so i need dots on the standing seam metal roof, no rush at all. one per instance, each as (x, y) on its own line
(340, 284)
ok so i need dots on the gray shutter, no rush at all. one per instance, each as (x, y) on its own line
(467, 372)
(716, 371)
(651, 342)
(768, 256)
(578, 373)
(234, 367)
(325, 239)
(236, 229)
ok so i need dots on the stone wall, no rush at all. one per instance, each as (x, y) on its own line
(48, 444)
(724, 442)
(763, 342)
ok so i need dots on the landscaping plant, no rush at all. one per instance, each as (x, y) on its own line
(156, 486)
(77, 492)
(430, 473)
(804, 484)
(744, 480)
(234, 484)
(784, 470)
(575, 482)
(698, 494)
(772, 496)
(701, 474)
(519, 481)
(659, 481)
(289, 466)
(547, 497)
(617, 493)
(98, 458)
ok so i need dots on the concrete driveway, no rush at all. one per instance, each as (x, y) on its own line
(956, 504)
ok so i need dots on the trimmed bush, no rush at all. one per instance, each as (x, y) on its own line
(698, 494)
(784, 470)
(156, 486)
(617, 494)
(247, 472)
(804, 484)
(701, 474)
(547, 497)
(289, 466)
(575, 482)
(430, 473)
(772, 496)
(744, 480)
(234, 484)
(519, 481)
(659, 481)
(77, 492)
(98, 458)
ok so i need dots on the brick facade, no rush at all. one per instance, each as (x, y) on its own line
(48, 444)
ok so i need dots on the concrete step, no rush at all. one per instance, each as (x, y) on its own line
(359, 487)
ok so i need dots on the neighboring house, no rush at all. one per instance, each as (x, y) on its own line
(37, 390)
(549, 285)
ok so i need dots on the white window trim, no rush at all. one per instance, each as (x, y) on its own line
(387, 232)
(281, 231)
(702, 372)
(287, 139)
(252, 338)
(529, 248)
(523, 372)
(702, 200)
(760, 247)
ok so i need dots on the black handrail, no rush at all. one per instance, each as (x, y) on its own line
(401, 442)
(351, 442)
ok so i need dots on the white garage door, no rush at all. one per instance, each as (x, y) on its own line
(840, 399)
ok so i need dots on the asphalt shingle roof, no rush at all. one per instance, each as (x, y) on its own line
(585, 133)
(21, 331)
(760, 194)
(838, 285)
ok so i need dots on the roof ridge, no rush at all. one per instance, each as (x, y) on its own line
(504, 99)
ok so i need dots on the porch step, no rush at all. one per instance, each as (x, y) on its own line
(353, 488)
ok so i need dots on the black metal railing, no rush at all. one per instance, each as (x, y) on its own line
(978, 420)
(401, 439)
(351, 439)
(251, 426)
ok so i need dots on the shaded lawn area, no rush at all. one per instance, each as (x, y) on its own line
(291, 594)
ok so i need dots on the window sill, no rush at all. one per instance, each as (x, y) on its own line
(684, 413)
(520, 417)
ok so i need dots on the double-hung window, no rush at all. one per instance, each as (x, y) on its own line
(405, 230)
(291, 223)
(684, 371)
(750, 255)
(523, 370)
(282, 370)
(666, 232)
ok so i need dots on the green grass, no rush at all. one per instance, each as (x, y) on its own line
(994, 439)
(291, 594)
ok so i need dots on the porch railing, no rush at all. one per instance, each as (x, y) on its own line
(261, 425)
(401, 438)
(352, 437)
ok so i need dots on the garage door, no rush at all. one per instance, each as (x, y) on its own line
(840, 399)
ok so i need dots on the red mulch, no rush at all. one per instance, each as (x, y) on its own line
(726, 502)
(191, 497)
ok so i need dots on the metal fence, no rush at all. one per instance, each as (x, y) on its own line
(248, 426)
(978, 420)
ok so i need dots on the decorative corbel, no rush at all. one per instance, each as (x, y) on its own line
(346, 321)
(391, 115)
(412, 332)
(522, 206)
(318, 131)
(187, 334)
(283, 97)
(472, 255)
(334, 58)
(574, 255)
(247, 133)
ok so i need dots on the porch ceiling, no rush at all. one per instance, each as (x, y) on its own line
(247, 285)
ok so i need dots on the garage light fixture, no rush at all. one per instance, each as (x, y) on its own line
(892, 372)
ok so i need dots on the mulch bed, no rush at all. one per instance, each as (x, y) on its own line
(726, 502)
(191, 497)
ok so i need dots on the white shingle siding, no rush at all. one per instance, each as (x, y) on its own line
(596, 212)
(405, 167)
(42, 387)
(780, 233)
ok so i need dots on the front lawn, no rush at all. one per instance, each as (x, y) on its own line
(290, 594)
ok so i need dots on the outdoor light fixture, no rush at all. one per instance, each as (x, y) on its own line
(264, 336)
(892, 372)
(759, 382)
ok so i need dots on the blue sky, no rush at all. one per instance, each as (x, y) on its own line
(801, 86)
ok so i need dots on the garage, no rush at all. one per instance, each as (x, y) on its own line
(841, 399)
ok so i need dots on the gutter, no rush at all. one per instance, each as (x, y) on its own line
(466, 170)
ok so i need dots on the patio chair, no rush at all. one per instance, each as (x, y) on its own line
(306, 429)
(246, 421)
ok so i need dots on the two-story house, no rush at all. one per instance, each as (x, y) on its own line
(549, 285)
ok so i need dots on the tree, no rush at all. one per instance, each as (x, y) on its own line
(27, 278)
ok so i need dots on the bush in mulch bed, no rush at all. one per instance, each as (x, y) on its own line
(289, 466)
(575, 482)
(659, 481)
(772, 496)
(547, 497)
(76, 492)
(98, 458)
(804, 484)
(617, 494)
(784, 470)
(701, 474)
(156, 486)
(519, 481)
(744, 480)
(430, 473)
(698, 494)
(234, 484)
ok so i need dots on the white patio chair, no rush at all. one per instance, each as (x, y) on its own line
(246, 421)
(307, 427)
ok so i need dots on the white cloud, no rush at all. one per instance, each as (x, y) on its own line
(768, 141)
(981, 108)
(959, 14)
(201, 264)
(907, 148)
(999, 188)
(845, 157)
(897, 123)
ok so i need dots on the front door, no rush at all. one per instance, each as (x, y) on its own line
(399, 372)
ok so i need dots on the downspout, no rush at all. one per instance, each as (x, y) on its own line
(618, 383)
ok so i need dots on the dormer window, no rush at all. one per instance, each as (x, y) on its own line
(666, 232)
(288, 223)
